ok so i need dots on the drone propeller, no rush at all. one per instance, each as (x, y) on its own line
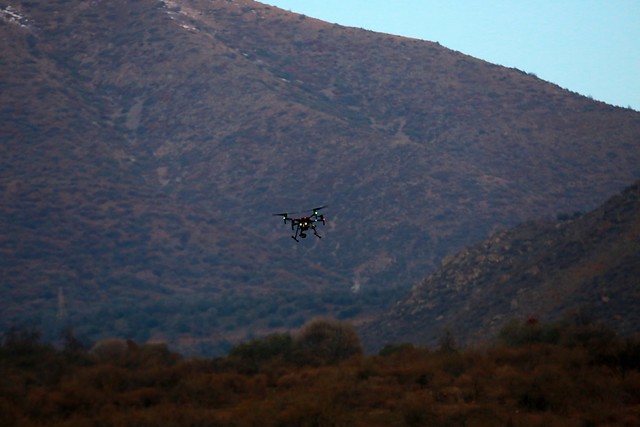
(306, 221)
(315, 210)
(285, 217)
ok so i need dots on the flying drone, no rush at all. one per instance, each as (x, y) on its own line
(302, 224)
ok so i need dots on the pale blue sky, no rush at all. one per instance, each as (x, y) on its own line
(588, 46)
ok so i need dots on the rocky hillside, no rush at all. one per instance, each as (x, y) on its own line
(145, 145)
(581, 265)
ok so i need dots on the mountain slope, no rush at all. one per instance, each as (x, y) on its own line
(586, 264)
(146, 144)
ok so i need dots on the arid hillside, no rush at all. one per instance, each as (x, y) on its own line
(582, 267)
(145, 145)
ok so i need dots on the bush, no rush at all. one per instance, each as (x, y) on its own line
(110, 350)
(323, 341)
(517, 333)
(249, 357)
(447, 342)
(390, 349)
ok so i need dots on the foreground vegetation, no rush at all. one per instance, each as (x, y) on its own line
(551, 375)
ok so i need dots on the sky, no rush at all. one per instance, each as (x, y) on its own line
(587, 46)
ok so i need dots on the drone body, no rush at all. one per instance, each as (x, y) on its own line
(305, 223)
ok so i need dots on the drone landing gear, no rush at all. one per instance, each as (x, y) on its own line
(304, 235)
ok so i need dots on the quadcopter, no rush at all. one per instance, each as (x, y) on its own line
(302, 224)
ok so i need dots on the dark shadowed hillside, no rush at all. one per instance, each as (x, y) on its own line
(145, 145)
(581, 265)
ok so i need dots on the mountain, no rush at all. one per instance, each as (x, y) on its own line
(581, 265)
(145, 145)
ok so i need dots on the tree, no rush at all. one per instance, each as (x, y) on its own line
(447, 342)
(251, 355)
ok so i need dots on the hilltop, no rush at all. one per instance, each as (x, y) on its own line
(146, 144)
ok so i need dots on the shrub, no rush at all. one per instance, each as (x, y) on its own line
(447, 342)
(250, 356)
(323, 341)
(516, 333)
(110, 350)
(390, 349)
